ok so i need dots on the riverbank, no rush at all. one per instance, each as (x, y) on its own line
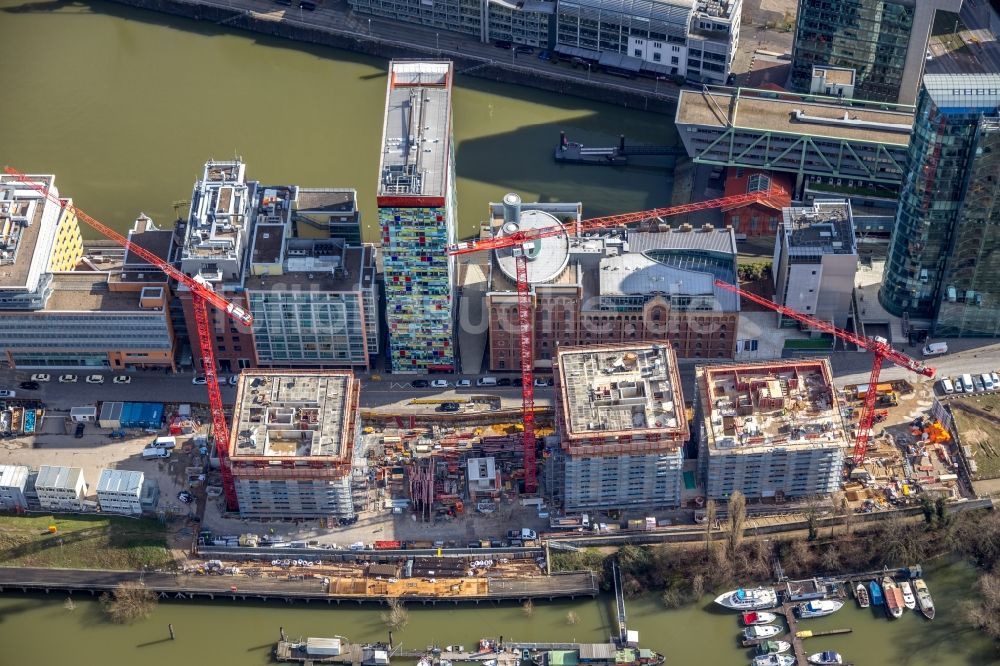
(329, 26)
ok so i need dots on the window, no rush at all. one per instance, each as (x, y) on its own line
(638, 53)
(656, 57)
(758, 182)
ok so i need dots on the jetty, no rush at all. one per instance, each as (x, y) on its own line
(571, 152)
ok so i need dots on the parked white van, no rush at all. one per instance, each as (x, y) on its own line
(164, 442)
(987, 381)
(967, 384)
(486, 381)
(935, 348)
(947, 386)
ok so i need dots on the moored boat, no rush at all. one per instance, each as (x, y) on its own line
(774, 660)
(893, 597)
(876, 593)
(611, 656)
(758, 632)
(861, 594)
(827, 658)
(773, 647)
(924, 599)
(748, 599)
(909, 600)
(758, 617)
(818, 608)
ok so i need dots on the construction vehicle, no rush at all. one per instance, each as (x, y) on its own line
(521, 243)
(878, 346)
(202, 295)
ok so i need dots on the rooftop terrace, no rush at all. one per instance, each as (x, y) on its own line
(220, 209)
(751, 409)
(21, 221)
(622, 390)
(417, 129)
(826, 227)
(295, 415)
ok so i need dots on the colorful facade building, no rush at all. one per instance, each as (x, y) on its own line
(417, 214)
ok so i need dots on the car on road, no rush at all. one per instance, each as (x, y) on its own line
(517, 382)
(78, 433)
(420, 383)
(8, 394)
(199, 380)
(503, 44)
(521, 48)
(448, 407)
(41, 377)
(67, 379)
(463, 383)
(122, 379)
(539, 382)
(544, 55)
(30, 386)
(440, 383)
(95, 379)
(503, 381)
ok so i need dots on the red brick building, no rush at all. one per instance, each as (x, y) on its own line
(759, 218)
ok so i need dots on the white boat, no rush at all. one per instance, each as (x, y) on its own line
(818, 608)
(924, 599)
(745, 600)
(758, 617)
(761, 631)
(893, 597)
(826, 658)
(775, 647)
(909, 600)
(774, 660)
(861, 594)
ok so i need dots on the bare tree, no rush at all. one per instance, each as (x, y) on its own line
(572, 617)
(128, 602)
(737, 520)
(528, 607)
(397, 616)
(709, 522)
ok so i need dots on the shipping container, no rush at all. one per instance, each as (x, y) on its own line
(388, 545)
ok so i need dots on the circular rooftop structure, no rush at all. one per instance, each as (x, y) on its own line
(547, 257)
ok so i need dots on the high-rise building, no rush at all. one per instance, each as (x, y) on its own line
(815, 260)
(883, 41)
(417, 214)
(946, 241)
(621, 427)
(769, 430)
(291, 443)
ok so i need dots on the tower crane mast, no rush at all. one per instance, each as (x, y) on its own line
(878, 346)
(517, 242)
(202, 295)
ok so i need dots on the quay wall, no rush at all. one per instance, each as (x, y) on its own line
(293, 28)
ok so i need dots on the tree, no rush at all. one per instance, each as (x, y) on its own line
(396, 617)
(572, 617)
(128, 602)
(709, 523)
(737, 521)
(528, 607)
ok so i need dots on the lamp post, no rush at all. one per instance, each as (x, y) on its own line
(437, 41)
(369, 25)
(588, 71)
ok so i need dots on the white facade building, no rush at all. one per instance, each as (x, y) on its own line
(119, 491)
(60, 488)
(13, 479)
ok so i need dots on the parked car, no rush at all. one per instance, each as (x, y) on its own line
(463, 383)
(449, 407)
(8, 394)
(30, 386)
(516, 382)
(502, 44)
(440, 383)
(503, 381)
(79, 431)
(41, 377)
(420, 383)
(540, 382)
(947, 386)
(67, 379)
(122, 379)
(544, 55)
(233, 380)
(199, 380)
(522, 48)
(95, 379)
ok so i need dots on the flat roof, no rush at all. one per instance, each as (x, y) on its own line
(326, 200)
(89, 292)
(826, 227)
(120, 481)
(416, 130)
(13, 476)
(220, 207)
(21, 219)
(725, 107)
(288, 415)
(964, 93)
(619, 389)
(58, 477)
(842, 76)
(753, 408)
(345, 268)
(707, 238)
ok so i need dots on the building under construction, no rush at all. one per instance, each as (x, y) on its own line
(621, 426)
(770, 430)
(292, 441)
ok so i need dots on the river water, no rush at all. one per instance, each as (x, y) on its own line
(124, 106)
(41, 630)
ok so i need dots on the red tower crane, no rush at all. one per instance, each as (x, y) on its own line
(201, 295)
(517, 241)
(878, 346)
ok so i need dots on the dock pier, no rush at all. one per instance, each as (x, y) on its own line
(354, 654)
(571, 152)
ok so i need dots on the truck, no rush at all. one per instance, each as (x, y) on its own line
(880, 389)
(524, 534)
(155, 452)
(935, 349)
(569, 522)
(164, 443)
